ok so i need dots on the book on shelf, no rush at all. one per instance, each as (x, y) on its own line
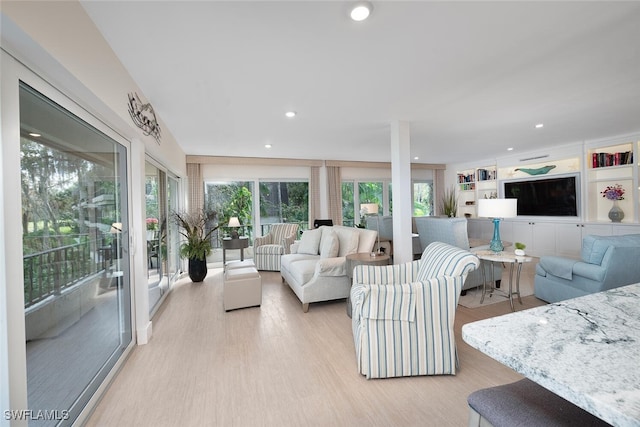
(465, 178)
(486, 174)
(603, 160)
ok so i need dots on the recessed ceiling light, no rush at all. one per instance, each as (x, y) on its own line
(35, 135)
(290, 114)
(539, 125)
(267, 145)
(510, 149)
(361, 11)
(416, 158)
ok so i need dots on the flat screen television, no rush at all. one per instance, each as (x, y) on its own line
(554, 196)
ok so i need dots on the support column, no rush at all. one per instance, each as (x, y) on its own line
(401, 186)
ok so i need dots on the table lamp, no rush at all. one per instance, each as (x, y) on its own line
(234, 223)
(372, 209)
(497, 209)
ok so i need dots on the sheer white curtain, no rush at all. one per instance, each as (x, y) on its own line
(334, 193)
(196, 187)
(314, 195)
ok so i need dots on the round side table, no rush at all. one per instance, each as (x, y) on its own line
(364, 258)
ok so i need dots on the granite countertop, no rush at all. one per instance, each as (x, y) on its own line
(586, 350)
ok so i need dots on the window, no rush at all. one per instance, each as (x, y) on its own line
(368, 192)
(284, 202)
(230, 199)
(373, 192)
(423, 199)
(75, 257)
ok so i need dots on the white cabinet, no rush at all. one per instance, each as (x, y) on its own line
(569, 237)
(569, 240)
(619, 229)
(539, 237)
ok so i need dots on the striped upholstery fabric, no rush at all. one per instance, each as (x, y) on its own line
(268, 249)
(403, 326)
(441, 259)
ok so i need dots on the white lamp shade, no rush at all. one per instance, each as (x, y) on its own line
(498, 208)
(369, 208)
(234, 222)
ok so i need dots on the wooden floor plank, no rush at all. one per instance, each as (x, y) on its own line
(275, 365)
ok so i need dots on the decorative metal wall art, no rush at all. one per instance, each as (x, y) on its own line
(539, 171)
(144, 117)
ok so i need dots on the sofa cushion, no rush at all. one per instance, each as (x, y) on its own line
(332, 267)
(329, 244)
(348, 238)
(287, 260)
(594, 248)
(310, 242)
(302, 271)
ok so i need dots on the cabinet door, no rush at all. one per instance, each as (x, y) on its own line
(543, 235)
(619, 230)
(521, 232)
(569, 240)
(597, 230)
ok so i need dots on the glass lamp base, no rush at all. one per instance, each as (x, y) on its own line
(496, 242)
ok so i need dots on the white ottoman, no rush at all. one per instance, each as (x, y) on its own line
(242, 288)
(239, 264)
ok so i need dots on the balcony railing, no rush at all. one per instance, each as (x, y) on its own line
(48, 272)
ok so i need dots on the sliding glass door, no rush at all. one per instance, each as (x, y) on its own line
(162, 237)
(75, 257)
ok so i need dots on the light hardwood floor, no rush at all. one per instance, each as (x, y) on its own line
(278, 366)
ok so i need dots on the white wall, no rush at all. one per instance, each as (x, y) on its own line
(64, 31)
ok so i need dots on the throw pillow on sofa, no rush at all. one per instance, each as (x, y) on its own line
(347, 240)
(310, 242)
(329, 244)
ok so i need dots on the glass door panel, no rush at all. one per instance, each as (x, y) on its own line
(75, 256)
(155, 224)
(170, 239)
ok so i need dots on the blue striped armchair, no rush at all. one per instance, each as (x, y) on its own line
(402, 315)
(268, 249)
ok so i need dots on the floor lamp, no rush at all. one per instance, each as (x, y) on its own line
(497, 209)
(371, 209)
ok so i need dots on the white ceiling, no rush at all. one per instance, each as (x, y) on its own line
(471, 78)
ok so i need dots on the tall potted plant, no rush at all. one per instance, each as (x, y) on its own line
(449, 204)
(196, 248)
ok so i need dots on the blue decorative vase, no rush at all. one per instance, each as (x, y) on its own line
(616, 214)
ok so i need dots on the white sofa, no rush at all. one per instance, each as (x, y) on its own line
(316, 267)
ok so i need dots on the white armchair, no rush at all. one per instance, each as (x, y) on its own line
(268, 249)
(403, 315)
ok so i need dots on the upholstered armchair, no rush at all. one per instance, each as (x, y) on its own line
(454, 232)
(403, 315)
(268, 249)
(606, 262)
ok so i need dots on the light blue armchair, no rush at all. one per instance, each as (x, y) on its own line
(607, 262)
(454, 232)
